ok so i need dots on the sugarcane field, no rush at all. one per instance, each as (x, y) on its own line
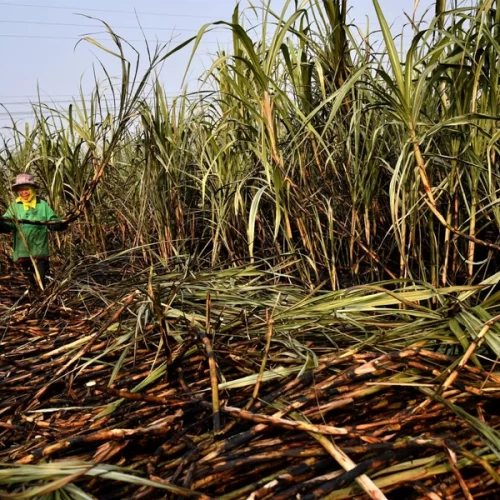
(284, 284)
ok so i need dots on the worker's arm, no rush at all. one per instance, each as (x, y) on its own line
(52, 217)
(7, 227)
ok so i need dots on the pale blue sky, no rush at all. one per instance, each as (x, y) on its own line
(38, 37)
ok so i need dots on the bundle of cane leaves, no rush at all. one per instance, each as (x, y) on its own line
(55, 480)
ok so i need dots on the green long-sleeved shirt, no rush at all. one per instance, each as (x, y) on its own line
(37, 237)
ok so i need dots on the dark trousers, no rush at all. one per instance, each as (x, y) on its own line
(43, 267)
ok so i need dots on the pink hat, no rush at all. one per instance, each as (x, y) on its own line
(24, 180)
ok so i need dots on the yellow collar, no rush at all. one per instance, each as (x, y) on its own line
(30, 202)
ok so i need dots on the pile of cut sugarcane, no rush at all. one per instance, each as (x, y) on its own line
(237, 384)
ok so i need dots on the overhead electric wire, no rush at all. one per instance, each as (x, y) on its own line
(114, 11)
(45, 37)
(46, 106)
(89, 95)
(82, 25)
(76, 100)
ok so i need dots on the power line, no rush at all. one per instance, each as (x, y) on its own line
(50, 103)
(80, 25)
(114, 11)
(45, 106)
(107, 101)
(55, 7)
(45, 37)
(59, 105)
(179, 30)
(6, 115)
(91, 95)
(353, 23)
(18, 96)
(24, 114)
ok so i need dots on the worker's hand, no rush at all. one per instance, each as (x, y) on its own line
(4, 227)
(60, 226)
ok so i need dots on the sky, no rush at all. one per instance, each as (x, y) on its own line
(40, 52)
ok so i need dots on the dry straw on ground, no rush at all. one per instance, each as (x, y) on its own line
(309, 405)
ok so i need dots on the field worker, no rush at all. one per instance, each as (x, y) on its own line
(31, 242)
